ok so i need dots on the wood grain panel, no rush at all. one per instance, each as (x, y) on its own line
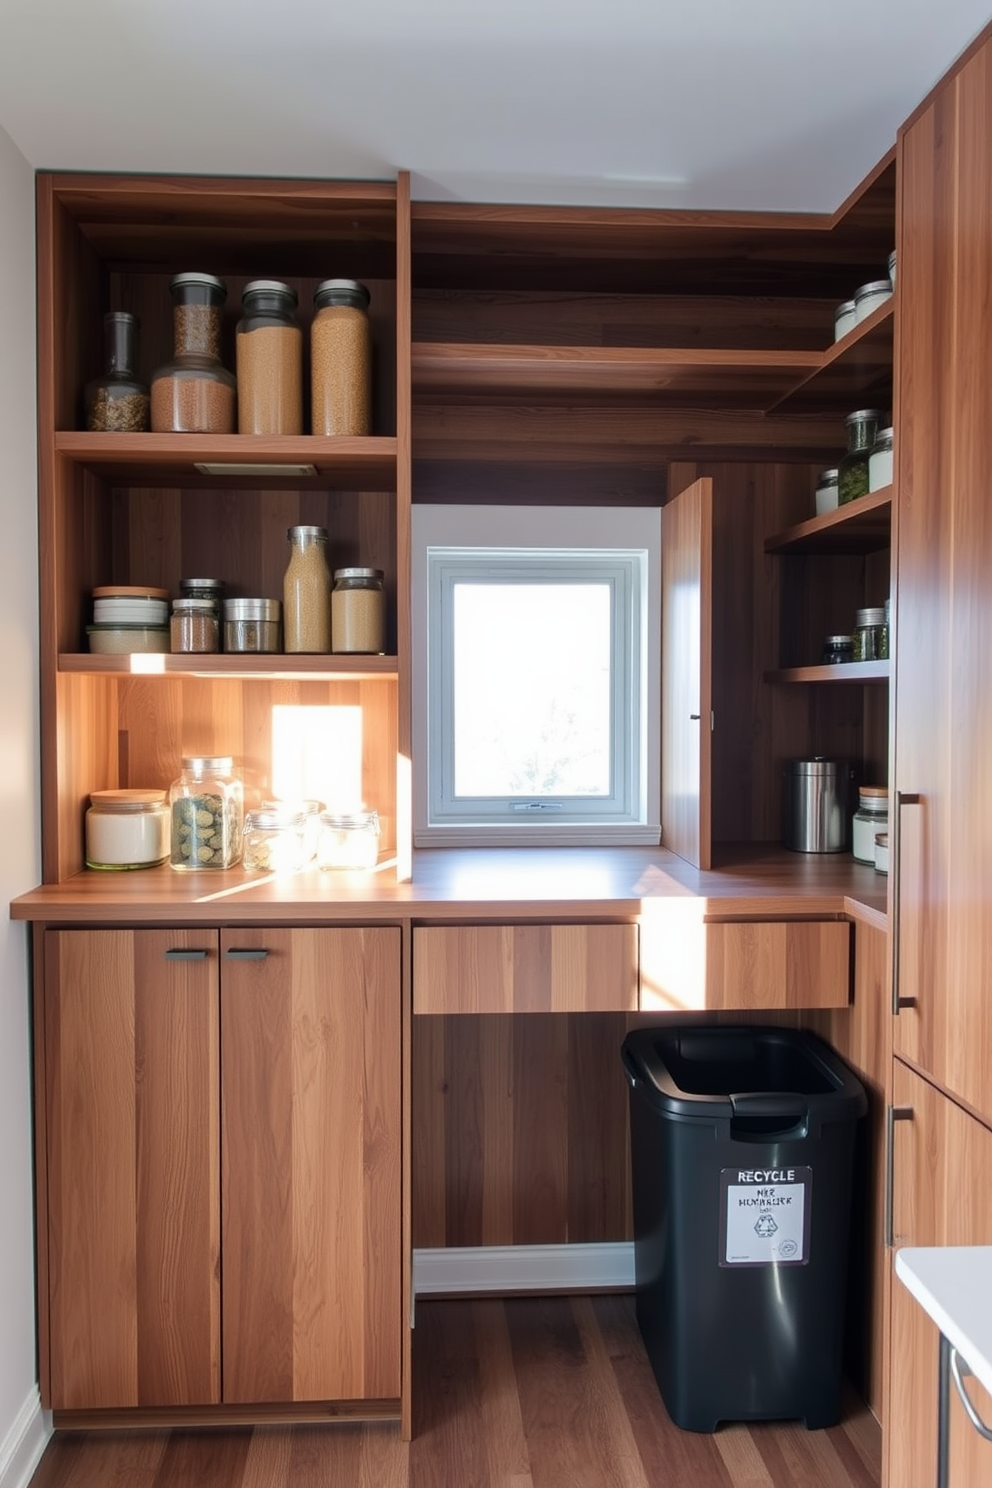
(133, 1151)
(686, 664)
(941, 1196)
(311, 1164)
(524, 968)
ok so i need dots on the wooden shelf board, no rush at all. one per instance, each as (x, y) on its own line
(267, 668)
(157, 459)
(862, 526)
(854, 368)
(842, 674)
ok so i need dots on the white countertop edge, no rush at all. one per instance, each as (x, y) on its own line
(953, 1284)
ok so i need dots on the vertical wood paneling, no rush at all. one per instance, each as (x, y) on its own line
(686, 662)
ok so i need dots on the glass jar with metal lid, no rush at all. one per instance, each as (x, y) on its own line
(194, 393)
(862, 426)
(274, 840)
(207, 807)
(252, 625)
(310, 811)
(348, 839)
(209, 589)
(341, 359)
(358, 611)
(118, 400)
(880, 461)
(871, 634)
(194, 627)
(306, 592)
(268, 348)
(827, 496)
(127, 829)
(871, 817)
(838, 649)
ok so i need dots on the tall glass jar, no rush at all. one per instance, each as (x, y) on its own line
(853, 480)
(269, 360)
(194, 393)
(306, 590)
(341, 359)
(358, 613)
(207, 805)
(118, 400)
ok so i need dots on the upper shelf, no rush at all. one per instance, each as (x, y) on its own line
(300, 668)
(353, 464)
(862, 526)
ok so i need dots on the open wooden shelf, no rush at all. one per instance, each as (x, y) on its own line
(862, 526)
(149, 459)
(854, 372)
(840, 674)
(227, 664)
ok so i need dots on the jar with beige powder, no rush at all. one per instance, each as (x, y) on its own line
(306, 589)
(341, 359)
(269, 360)
(358, 611)
(194, 393)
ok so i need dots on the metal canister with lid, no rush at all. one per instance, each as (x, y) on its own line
(358, 611)
(253, 625)
(817, 809)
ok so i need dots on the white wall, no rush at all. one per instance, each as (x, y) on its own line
(22, 1428)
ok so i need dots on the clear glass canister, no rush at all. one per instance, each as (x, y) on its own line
(118, 400)
(871, 635)
(827, 491)
(209, 590)
(269, 360)
(310, 810)
(862, 427)
(871, 817)
(253, 626)
(207, 807)
(275, 840)
(306, 592)
(195, 393)
(880, 461)
(348, 839)
(358, 611)
(341, 359)
(127, 829)
(194, 626)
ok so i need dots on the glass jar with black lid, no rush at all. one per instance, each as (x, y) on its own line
(118, 400)
(269, 360)
(853, 478)
(195, 393)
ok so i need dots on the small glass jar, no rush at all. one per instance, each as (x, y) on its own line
(211, 590)
(341, 359)
(118, 400)
(274, 840)
(862, 427)
(207, 806)
(871, 635)
(269, 360)
(871, 817)
(127, 829)
(194, 627)
(845, 319)
(306, 592)
(348, 839)
(827, 497)
(358, 612)
(868, 298)
(838, 649)
(194, 393)
(880, 461)
(253, 626)
(310, 811)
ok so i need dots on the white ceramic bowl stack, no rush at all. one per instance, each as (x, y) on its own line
(129, 618)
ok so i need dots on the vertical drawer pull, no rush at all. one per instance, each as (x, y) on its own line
(892, 1115)
(246, 954)
(181, 953)
(903, 798)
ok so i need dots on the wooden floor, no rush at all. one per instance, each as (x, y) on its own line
(522, 1393)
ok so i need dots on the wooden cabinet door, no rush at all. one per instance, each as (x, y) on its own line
(686, 670)
(131, 1061)
(941, 1196)
(943, 618)
(310, 1082)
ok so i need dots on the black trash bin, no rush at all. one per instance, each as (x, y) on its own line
(742, 1156)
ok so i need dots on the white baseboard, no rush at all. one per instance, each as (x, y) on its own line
(523, 1268)
(27, 1438)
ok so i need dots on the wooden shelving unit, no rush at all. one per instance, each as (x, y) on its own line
(862, 526)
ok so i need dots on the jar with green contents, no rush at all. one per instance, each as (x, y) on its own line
(853, 480)
(207, 806)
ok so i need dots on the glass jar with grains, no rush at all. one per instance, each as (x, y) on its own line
(306, 592)
(194, 393)
(341, 359)
(207, 806)
(269, 360)
(358, 614)
(853, 480)
(117, 400)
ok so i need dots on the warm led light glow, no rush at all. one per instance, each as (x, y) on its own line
(317, 755)
(150, 665)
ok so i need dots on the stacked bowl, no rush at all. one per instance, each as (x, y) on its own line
(129, 618)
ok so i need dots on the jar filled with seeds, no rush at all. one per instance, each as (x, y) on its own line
(275, 840)
(118, 400)
(253, 625)
(195, 393)
(207, 807)
(269, 360)
(853, 479)
(306, 592)
(193, 626)
(341, 359)
(358, 611)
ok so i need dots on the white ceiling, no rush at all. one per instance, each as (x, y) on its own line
(761, 104)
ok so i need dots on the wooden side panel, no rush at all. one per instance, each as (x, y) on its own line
(524, 968)
(687, 605)
(941, 1196)
(687, 962)
(133, 1162)
(311, 1126)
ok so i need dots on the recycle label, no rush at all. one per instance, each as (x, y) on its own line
(764, 1216)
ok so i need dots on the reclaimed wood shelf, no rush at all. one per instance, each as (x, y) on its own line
(341, 462)
(862, 526)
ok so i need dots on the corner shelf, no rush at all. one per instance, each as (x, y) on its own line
(862, 526)
(840, 674)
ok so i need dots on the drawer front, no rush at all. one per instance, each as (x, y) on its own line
(525, 968)
(745, 964)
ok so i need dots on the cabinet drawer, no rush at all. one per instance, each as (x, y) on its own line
(688, 962)
(525, 968)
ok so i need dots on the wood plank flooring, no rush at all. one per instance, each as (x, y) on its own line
(551, 1392)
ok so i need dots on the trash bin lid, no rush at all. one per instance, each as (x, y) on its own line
(718, 1071)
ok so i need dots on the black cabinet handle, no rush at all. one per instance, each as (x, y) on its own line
(246, 954)
(180, 953)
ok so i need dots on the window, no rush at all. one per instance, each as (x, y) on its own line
(536, 675)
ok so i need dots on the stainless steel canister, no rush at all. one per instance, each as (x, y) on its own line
(819, 795)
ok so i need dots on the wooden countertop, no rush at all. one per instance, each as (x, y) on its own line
(748, 882)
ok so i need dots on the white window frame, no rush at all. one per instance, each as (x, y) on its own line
(620, 546)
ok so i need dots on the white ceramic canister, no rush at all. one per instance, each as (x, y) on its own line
(880, 461)
(827, 489)
(845, 319)
(870, 296)
(127, 829)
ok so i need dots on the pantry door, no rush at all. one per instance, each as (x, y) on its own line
(686, 672)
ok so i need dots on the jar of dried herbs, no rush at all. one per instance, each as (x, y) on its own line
(207, 806)
(853, 479)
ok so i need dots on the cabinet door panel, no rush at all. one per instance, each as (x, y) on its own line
(311, 1164)
(941, 1196)
(687, 962)
(132, 1091)
(686, 666)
